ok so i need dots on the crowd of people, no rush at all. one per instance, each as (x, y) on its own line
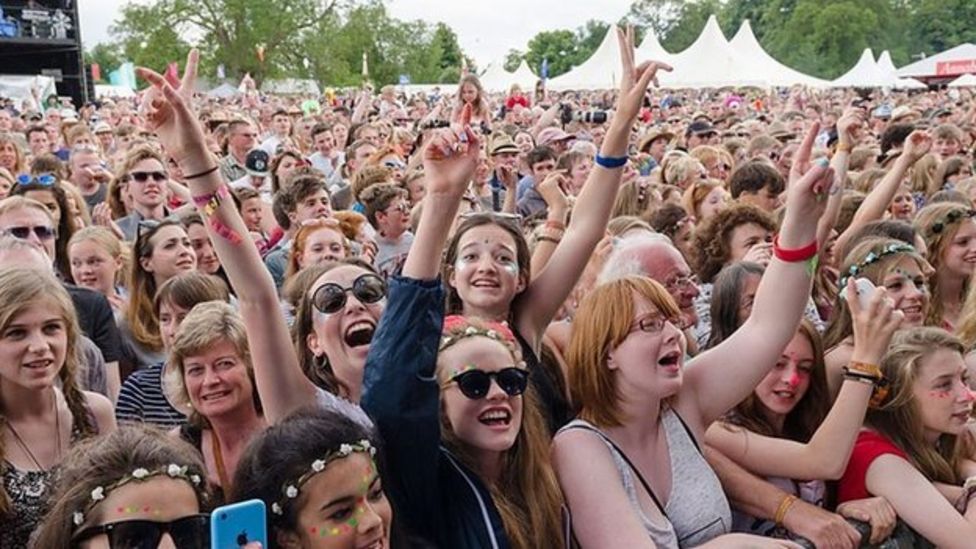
(626, 318)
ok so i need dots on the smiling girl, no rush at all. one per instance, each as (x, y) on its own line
(949, 231)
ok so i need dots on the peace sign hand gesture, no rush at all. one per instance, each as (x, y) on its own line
(634, 80)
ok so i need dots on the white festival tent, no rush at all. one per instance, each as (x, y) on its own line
(652, 50)
(765, 66)
(888, 67)
(497, 79)
(865, 74)
(710, 62)
(964, 81)
(929, 67)
(601, 71)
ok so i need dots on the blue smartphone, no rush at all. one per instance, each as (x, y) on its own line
(234, 526)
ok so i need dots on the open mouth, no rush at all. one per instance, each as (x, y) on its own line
(785, 395)
(214, 396)
(485, 284)
(359, 334)
(670, 360)
(495, 418)
(38, 364)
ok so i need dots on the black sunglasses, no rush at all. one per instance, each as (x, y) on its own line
(191, 532)
(23, 233)
(475, 384)
(331, 297)
(142, 177)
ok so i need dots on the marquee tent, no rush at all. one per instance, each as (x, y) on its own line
(865, 74)
(652, 50)
(964, 81)
(888, 67)
(600, 71)
(710, 62)
(948, 64)
(496, 78)
(766, 67)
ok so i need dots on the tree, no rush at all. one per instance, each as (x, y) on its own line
(560, 48)
(107, 56)
(589, 37)
(659, 15)
(941, 24)
(144, 40)
(512, 60)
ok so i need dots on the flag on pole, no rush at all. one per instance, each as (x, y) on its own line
(96, 72)
(544, 70)
(365, 65)
(173, 74)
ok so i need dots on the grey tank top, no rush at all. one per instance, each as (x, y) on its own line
(697, 510)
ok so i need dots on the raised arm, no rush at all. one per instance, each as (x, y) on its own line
(280, 381)
(721, 377)
(848, 129)
(546, 293)
(876, 202)
(825, 456)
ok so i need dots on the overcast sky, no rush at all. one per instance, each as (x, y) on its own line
(487, 29)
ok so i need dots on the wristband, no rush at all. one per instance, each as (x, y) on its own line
(864, 369)
(843, 148)
(210, 202)
(796, 255)
(784, 507)
(610, 162)
(555, 224)
(548, 239)
(201, 174)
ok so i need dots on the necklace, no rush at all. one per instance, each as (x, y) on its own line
(27, 450)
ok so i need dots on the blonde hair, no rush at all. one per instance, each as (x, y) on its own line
(206, 324)
(923, 175)
(19, 289)
(696, 193)
(937, 244)
(20, 164)
(106, 240)
(526, 494)
(898, 418)
(680, 170)
(603, 320)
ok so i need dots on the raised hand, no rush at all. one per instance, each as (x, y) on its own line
(551, 190)
(634, 80)
(801, 158)
(450, 159)
(850, 125)
(169, 115)
(806, 197)
(917, 145)
(874, 324)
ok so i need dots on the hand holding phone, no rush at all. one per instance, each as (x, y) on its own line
(239, 524)
(864, 288)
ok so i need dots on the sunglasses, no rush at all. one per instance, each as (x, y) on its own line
(331, 298)
(45, 179)
(191, 532)
(475, 384)
(142, 177)
(395, 165)
(23, 233)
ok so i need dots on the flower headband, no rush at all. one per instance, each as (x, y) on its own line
(290, 490)
(950, 218)
(99, 493)
(457, 327)
(874, 257)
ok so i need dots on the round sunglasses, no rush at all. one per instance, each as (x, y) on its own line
(475, 384)
(192, 532)
(331, 297)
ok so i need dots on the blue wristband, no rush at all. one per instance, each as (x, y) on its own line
(610, 162)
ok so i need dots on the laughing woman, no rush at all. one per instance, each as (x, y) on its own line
(338, 314)
(630, 467)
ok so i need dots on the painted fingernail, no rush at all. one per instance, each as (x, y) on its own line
(823, 162)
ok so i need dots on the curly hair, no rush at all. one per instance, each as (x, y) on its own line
(711, 245)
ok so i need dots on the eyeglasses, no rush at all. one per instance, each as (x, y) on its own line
(402, 207)
(395, 164)
(475, 384)
(654, 324)
(45, 179)
(23, 233)
(191, 532)
(682, 282)
(142, 177)
(331, 297)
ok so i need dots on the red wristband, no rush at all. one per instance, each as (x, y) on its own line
(796, 255)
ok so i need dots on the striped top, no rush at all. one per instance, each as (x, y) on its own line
(141, 400)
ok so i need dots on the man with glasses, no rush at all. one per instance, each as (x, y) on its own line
(654, 257)
(240, 140)
(29, 221)
(147, 185)
(389, 213)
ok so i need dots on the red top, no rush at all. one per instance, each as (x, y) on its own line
(513, 100)
(868, 447)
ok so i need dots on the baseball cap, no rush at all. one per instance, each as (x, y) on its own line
(256, 163)
(700, 128)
